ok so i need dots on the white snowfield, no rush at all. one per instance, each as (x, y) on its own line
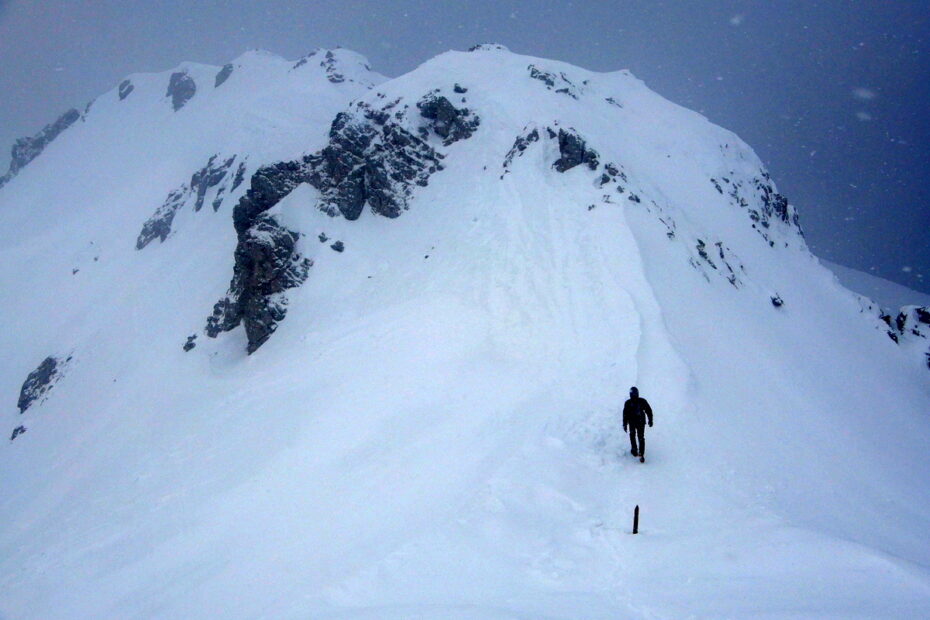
(433, 431)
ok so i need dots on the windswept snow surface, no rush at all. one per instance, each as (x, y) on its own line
(433, 431)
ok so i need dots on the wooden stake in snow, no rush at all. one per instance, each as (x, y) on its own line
(636, 520)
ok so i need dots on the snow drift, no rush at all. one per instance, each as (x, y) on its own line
(434, 294)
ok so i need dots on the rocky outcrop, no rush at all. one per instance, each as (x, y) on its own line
(372, 159)
(26, 149)
(573, 151)
(214, 174)
(449, 123)
(19, 430)
(222, 75)
(910, 329)
(40, 381)
(125, 88)
(181, 88)
(266, 265)
(764, 205)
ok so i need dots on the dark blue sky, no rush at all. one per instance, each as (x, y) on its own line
(832, 95)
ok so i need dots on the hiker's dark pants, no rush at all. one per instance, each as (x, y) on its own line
(641, 431)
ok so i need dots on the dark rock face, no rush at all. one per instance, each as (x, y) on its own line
(458, 88)
(777, 301)
(761, 201)
(26, 149)
(573, 151)
(330, 66)
(520, 144)
(449, 123)
(554, 82)
(213, 174)
(923, 315)
(304, 60)
(181, 88)
(40, 381)
(125, 87)
(19, 430)
(371, 158)
(222, 75)
(190, 344)
(266, 264)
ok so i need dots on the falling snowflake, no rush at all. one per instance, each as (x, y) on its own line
(863, 116)
(864, 94)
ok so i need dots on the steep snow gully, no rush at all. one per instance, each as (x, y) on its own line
(434, 294)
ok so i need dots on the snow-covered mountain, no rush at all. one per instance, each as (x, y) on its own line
(292, 339)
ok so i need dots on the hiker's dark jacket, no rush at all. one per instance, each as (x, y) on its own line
(635, 412)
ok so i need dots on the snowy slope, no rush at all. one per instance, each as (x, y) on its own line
(431, 429)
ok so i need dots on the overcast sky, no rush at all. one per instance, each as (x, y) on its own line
(833, 95)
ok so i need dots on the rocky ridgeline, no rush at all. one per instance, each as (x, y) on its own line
(26, 149)
(375, 156)
(215, 173)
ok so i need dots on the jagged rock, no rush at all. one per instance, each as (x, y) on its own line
(323, 238)
(923, 314)
(266, 264)
(329, 65)
(125, 87)
(222, 75)
(26, 149)
(458, 88)
(761, 201)
(558, 83)
(181, 88)
(777, 301)
(573, 151)
(304, 60)
(268, 186)
(40, 381)
(158, 226)
(338, 246)
(370, 159)
(614, 102)
(449, 123)
(209, 176)
(520, 144)
(19, 430)
(190, 344)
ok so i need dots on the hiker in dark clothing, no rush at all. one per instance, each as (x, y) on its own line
(635, 413)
